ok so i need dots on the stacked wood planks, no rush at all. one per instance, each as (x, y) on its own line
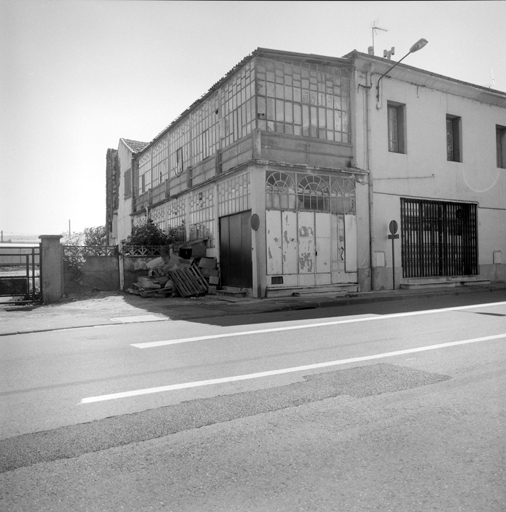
(189, 282)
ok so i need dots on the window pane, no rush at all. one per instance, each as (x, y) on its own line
(345, 122)
(270, 109)
(330, 119)
(280, 111)
(288, 112)
(337, 120)
(393, 142)
(314, 121)
(322, 118)
(297, 114)
(305, 120)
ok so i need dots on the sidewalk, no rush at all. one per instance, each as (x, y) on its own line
(109, 308)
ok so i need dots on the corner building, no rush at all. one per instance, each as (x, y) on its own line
(274, 168)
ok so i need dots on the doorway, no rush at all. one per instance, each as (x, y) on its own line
(235, 250)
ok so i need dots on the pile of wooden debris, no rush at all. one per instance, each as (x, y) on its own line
(177, 277)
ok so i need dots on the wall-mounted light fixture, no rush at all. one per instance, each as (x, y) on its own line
(417, 46)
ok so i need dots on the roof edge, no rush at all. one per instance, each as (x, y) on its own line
(356, 54)
(255, 53)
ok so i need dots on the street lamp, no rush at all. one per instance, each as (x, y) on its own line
(417, 46)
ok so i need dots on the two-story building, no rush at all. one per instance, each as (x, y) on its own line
(435, 150)
(292, 167)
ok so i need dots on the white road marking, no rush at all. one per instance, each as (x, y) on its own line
(249, 376)
(139, 318)
(152, 344)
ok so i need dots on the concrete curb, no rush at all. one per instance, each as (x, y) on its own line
(347, 301)
(299, 303)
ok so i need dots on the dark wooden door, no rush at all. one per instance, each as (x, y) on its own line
(235, 250)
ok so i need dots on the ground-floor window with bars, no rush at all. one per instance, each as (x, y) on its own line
(438, 238)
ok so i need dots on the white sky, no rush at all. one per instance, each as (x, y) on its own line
(75, 76)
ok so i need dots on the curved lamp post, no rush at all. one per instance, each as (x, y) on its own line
(417, 46)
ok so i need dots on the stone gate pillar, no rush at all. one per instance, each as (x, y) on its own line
(51, 268)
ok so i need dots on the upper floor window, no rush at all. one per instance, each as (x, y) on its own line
(304, 99)
(396, 127)
(179, 161)
(500, 132)
(453, 139)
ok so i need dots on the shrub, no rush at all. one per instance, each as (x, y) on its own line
(149, 234)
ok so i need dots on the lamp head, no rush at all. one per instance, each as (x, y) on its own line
(418, 45)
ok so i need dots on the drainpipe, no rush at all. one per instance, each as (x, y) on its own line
(368, 167)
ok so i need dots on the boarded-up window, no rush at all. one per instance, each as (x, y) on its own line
(128, 182)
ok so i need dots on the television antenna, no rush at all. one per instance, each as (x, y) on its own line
(492, 84)
(374, 28)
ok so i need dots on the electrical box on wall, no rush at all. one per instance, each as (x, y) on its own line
(380, 260)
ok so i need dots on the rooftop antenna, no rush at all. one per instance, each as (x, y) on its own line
(374, 28)
(492, 84)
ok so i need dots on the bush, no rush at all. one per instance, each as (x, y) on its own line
(90, 236)
(149, 234)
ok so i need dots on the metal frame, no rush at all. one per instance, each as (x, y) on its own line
(438, 238)
(30, 278)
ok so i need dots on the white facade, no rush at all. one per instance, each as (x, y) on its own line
(422, 169)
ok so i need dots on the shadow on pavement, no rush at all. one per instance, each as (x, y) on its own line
(254, 311)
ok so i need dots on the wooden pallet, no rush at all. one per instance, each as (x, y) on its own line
(189, 282)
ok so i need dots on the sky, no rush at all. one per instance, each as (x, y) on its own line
(78, 75)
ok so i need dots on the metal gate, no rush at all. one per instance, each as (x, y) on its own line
(438, 238)
(20, 273)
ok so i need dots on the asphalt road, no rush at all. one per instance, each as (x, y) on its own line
(386, 407)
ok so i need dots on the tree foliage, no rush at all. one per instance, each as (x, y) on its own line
(90, 236)
(95, 236)
(149, 234)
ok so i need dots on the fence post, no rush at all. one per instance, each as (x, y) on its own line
(121, 267)
(51, 268)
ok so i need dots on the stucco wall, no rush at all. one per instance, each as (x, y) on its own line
(96, 273)
(124, 221)
(424, 171)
